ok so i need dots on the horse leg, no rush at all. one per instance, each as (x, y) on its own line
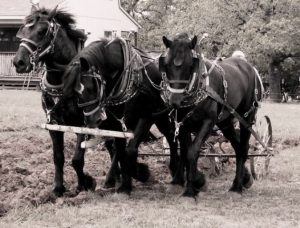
(245, 137)
(126, 181)
(240, 145)
(185, 140)
(195, 178)
(59, 160)
(129, 166)
(243, 177)
(85, 181)
(164, 126)
(113, 174)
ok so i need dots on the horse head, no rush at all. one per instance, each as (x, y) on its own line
(89, 76)
(46, 33)
(178, 66)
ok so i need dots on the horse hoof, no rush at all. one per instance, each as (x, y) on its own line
(142, 172)
(189, 192)
(124, 189)
(204, 187)
(200, 184)
(90, 183)
(237, 189)
(59, 191)
(178, 181)
(249, 183)
(109, 184)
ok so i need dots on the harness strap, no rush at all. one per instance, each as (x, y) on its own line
(225, 85)
(27, 47)
(120, 120)
(211, 93)
(256, 100)
(130, 77)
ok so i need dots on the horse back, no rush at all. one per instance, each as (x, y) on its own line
(241, 82)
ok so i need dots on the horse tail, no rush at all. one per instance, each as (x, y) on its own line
(71, 78)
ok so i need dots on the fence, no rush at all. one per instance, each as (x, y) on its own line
(9, 78)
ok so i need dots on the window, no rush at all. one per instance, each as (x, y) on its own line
(8, 40)
(110, 34)
(124, 34)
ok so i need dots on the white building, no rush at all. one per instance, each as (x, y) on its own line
(98, 18)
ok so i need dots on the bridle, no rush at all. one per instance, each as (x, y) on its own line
(121, 92)
(100, 100)
(37, 52)
(193, 90)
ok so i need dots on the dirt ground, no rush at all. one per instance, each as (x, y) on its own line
(26, 165)
(27, 170)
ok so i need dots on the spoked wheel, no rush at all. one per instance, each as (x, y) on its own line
(259, 163)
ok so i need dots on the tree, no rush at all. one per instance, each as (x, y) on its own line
(266, 30)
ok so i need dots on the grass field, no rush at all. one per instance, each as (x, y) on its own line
(26, 161)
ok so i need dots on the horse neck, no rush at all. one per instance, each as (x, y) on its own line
(65, 50)
(112, 66)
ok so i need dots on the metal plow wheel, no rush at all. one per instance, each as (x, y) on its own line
(259, 163)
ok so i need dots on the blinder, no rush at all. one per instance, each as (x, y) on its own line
(100, 99)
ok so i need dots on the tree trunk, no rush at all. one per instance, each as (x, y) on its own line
(274, 80)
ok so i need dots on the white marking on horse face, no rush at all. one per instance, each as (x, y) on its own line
(55, 99)
(29, 24)
(80, 91)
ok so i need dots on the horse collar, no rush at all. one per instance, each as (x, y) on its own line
(130, 78)
(50, 89)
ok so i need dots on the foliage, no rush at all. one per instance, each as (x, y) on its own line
(266, 30)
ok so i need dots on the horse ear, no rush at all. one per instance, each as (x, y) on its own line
(167, 42)
(85, 66)
(193, 42)
(53, 12)
(34, 8)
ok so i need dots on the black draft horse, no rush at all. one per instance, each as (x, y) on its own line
(196, 89)
(48, 36)
(116, 81)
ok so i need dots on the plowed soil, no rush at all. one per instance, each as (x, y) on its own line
(26, 164)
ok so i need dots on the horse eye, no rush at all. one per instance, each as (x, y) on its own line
(42, 32)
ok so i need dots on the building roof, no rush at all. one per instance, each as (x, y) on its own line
(16, 10)
(128, 15)
(22, 7)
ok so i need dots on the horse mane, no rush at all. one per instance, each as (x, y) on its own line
(182, 36)
(65, 19)
(92, 54)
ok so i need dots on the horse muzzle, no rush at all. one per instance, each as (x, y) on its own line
(175, 100)
(95, 119)
(22, 63)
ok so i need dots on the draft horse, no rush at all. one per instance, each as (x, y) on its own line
(203, 94)
(117, 86)
(47, 36)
